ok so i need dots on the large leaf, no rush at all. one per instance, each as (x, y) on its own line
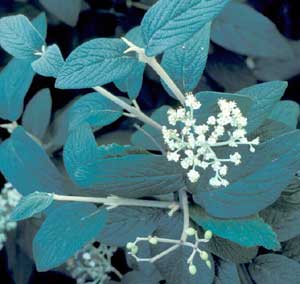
(173, 267)
(50, 62)
(170, 23)
(138, 277)
(185, 63)
(95, 110)
(286, 112)
(226, 273)
(243, 30)
(37, 114)
(40, 23)
(66, 11)
(257, 183)
(19, 37)
(265, 97)
(30, 205)
(65, 230)
(15, 80)
(247, 232)
(125, 224)
(26, 165)
(274, 269)
(96, 62)
(118, 170)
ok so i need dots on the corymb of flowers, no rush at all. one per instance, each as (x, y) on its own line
(192, 145)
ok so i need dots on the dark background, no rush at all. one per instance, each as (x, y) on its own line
(107, 18)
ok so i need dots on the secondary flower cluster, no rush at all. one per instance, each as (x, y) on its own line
(9, 198)
(193, 145)
(92, 264)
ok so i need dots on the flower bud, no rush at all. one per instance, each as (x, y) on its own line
(192, 269)
(208, 235)
(208, 264)
(134, 249)
(190, 231)
(204, 255)
(129, 246)
(153, 240)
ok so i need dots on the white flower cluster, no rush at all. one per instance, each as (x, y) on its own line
(92, 264)
(193, 145)
(9, 198)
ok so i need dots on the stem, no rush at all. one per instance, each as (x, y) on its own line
(186, 214)
(115, 201)
(151, 61)
(132, 110)
(137, 5)
(166, 78)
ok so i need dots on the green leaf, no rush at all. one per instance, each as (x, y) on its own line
(118, 170)
(230, 251)
(50, 62)
(257, 183)
(291, 249)
(40, 23)
(132, 83)
(95, 110)
(19, 37)
(15, 80)
(30, 205)
(250, 33)
(27, 166)
(65, 231)
(265, 97)
(37, 114)
(274, 269)
(173, 267)
(171, 23)
(226, 273)
(286, 112)
(138, 277)
(96, 62)
(248, 232)
(185, 63)
(125, 224)
(66, 11)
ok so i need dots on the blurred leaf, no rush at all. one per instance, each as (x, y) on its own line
(37, 114)
(226, 273)
(66, 11)
(274, 269)
(138, 277)
(15, 80)
(291, 249)
(31, 205)
(61, 235)
(170, 23)
(50, 62)
(40, 23)
(241, 29)
(19, 37)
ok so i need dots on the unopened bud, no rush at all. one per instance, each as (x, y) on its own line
(192, 269)
(129, 246)
(135, 249)
(190, 231)
(208, 235)
(153, 240)
(208, 264)
(204, 255)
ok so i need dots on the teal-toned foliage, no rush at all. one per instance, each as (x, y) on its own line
(84, 186)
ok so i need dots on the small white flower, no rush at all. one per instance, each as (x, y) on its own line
(194, 145)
